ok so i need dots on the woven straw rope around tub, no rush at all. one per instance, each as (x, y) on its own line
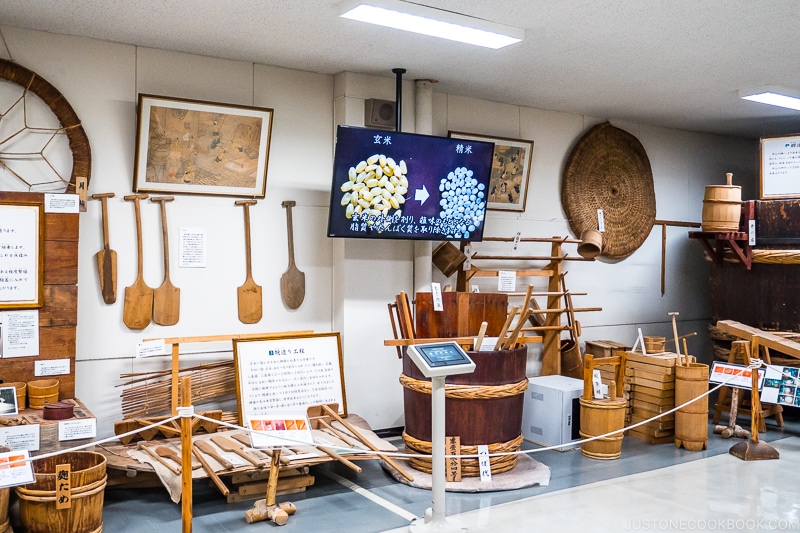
(769, 257)
(470, 466)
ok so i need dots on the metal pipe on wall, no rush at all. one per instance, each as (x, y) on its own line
(423, 121)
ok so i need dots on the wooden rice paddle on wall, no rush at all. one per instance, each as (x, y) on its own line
(293, 282)
(249, 294)
(106, 258)
(138, 306)
(167, 297)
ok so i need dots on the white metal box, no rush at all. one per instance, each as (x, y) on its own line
(551, 411)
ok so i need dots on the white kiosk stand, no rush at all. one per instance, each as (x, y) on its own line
(437, 361)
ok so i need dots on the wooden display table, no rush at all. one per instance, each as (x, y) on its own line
(48, 429)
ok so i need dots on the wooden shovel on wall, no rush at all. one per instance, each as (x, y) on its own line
(293, 282)
(138, 306)
(249, 294)
(106, 258)
(167, 297)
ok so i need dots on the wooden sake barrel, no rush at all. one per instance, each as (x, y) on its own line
(691, 421)
(37, 501)
(484, 407)
(722, 207)
(599, 417)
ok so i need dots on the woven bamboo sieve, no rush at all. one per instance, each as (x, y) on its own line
(609, 170)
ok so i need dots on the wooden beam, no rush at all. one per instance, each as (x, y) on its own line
(763, 338)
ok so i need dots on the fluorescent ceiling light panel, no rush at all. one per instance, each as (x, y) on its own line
(426, 20)
(772, 95)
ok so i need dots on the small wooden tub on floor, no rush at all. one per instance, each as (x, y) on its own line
(691, 421)
(37, 501)
(484, 407)
(600, 416)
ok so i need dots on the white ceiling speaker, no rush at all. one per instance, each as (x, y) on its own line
(380, 113)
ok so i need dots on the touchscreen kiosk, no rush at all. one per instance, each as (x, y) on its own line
(441, 359)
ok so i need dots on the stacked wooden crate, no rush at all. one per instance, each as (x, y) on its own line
(650, 384)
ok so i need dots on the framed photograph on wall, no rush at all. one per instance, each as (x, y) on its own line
(21, 255)
(192, 147)
(780, 167)
(511, 170)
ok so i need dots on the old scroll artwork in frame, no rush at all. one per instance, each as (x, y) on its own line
(192, 147)
(511, 170)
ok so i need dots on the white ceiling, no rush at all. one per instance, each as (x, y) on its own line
(672, 63)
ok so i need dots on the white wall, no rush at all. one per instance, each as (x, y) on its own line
(348, 282)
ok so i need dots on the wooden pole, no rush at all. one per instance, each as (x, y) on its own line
(186, 457)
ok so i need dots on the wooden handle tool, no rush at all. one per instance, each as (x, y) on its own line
(481, 334)
(368, 443)
(333, 455)
(293, 281)
(169, 453)
(137, 308)
(249, 293)
(227, 445)
(106, 258)
(210, 471)
(209, 450)
(502, 337)
(149, 451)
(167, 297)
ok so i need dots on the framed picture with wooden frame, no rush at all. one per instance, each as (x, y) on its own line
(511, 170)
(279, 374)
(780, 167)
(21, 255)
(193, 147)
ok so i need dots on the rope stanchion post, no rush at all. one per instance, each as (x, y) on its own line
(186, 454)
(753, 449)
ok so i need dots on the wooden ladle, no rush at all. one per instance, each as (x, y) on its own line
(293, 282)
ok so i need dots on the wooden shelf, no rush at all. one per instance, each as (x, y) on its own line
(736, 241)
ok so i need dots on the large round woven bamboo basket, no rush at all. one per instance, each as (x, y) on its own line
(484, 407)
(37, 501)
(609, 170)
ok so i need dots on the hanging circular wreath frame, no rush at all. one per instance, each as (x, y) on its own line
(608, 169)
(58, 104)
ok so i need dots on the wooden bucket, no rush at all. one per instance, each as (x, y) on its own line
(37, 501)
(22, 388)
(691, 421)
(599, 417)
(655, 344)
(591, 244)
(41, 392)
(484, 407)
(722, 207)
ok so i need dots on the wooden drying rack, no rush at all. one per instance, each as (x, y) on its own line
(551, 328)
(177, 341)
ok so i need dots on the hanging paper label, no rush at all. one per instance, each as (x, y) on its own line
(436, 293)
(601, 222)
(483, 463)
(453, 446)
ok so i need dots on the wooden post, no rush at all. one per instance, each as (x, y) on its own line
(186, 457)
(551, 349)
